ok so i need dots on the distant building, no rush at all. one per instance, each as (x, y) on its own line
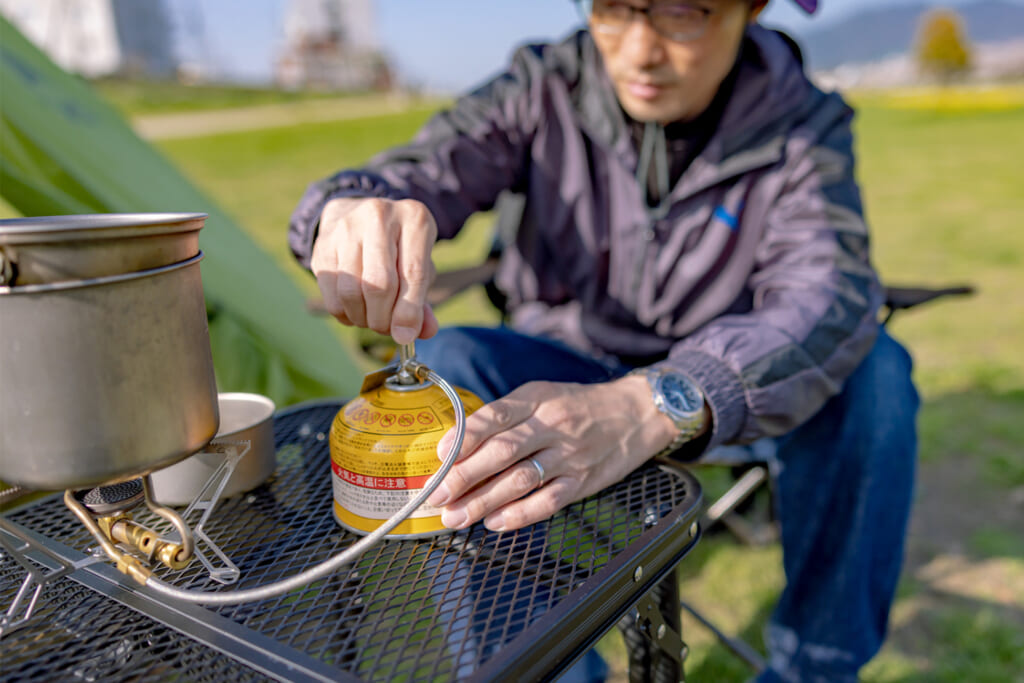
(145, 36)
(331, 45)
(99, 37)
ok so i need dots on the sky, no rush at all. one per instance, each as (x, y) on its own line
(437, 45)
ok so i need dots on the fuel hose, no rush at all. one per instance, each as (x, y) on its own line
(353, 551)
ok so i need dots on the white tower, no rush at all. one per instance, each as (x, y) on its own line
(98, 37)
(331, 44)
(349, 21)
(79, 35)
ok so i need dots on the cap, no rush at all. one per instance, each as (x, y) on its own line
(808, 6)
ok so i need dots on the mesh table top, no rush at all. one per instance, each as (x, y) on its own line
(475, 605)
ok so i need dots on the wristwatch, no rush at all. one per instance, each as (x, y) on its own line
(679, 397)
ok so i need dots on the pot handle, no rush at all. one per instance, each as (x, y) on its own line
(8, 269)
(63, 285)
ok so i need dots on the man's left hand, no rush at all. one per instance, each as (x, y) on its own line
(585, 438)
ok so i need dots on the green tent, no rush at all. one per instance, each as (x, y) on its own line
(63, 150)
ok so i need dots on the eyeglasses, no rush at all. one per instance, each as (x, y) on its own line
(678, 21)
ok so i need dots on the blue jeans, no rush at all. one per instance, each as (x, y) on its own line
(843, 483)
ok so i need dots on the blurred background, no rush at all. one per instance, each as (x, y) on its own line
(446, 46)
(234, 106)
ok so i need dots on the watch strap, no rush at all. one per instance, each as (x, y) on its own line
(681, 439)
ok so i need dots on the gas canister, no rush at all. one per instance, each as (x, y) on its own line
(383, 447)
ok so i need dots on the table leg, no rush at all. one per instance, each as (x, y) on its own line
(650, 630)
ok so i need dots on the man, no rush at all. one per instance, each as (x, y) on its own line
(691, 270)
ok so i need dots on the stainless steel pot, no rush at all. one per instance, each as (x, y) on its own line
(62, 248)
(104, 379)
(243, 418)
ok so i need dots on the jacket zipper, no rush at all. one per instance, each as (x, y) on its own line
(655, 148)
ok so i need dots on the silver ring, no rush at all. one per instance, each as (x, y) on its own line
(540, 470)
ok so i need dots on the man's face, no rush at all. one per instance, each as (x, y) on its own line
(660, 79)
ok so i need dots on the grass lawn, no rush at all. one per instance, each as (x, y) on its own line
(943, 182)
(133, 97)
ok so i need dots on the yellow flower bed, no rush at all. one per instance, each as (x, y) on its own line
(954, 98)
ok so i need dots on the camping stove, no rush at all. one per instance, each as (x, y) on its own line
(106, 511)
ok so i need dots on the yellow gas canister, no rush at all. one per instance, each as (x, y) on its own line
(384, 449)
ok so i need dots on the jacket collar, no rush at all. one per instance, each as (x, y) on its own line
(771, 92)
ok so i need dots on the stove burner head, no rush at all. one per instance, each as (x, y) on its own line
(111, 498)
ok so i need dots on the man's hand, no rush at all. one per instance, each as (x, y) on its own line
(372, 262)
(586, 437)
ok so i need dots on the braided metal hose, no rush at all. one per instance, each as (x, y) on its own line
(351, 553)
(13, 493)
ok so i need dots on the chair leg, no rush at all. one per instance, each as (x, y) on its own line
(738, 647)
(736, 494)
(759, 534)
(722, 510)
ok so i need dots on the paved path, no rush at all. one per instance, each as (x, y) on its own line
(197, 124)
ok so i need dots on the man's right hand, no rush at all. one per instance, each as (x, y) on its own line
(372, 262)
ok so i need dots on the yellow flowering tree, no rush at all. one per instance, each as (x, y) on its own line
(942, 48)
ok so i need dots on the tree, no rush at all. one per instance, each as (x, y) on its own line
(942, 48)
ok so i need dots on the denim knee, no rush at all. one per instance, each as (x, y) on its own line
(881, 400)
(491, 362)
(888, 368)
(454, 351)
(467, 357)
(877, 405)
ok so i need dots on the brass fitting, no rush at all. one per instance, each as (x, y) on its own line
(123, 529)
(134, 568)
(173, 555)
(125, 563)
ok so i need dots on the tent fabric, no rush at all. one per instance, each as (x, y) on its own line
(63, 150)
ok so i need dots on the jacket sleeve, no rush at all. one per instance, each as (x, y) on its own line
(457, 164)
(815, 301)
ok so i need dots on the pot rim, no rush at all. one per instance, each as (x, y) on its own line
(265, 403)
(102, 226)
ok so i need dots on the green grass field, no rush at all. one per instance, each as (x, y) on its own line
(134, 97)
(944, 191)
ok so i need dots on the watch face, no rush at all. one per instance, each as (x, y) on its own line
(680, 395)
